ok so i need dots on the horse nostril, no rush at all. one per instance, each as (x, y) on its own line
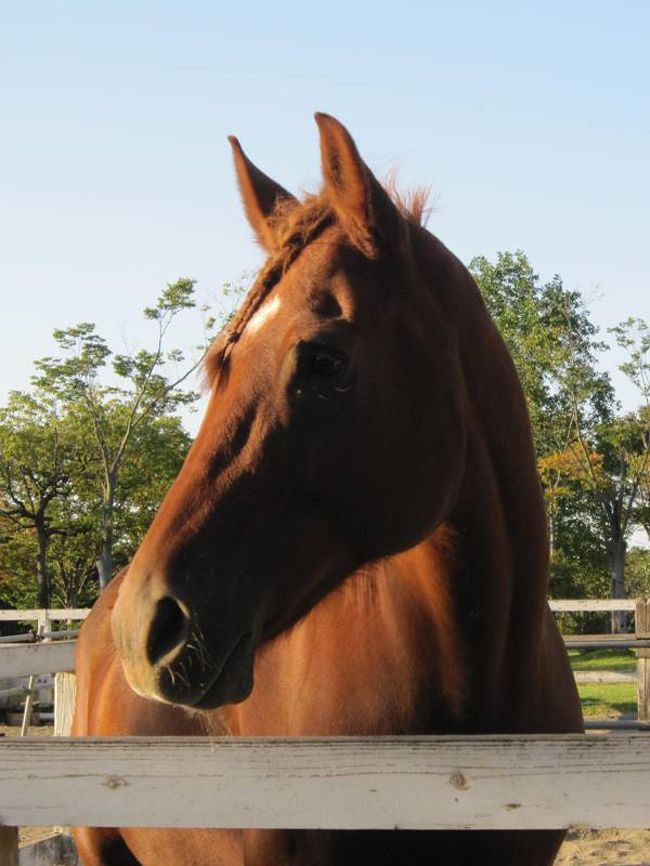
(169, 629)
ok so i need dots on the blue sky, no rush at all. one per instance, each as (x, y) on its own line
(530, 121)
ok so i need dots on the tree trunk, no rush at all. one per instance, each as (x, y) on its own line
(616, 552)
(42, 574)
(105, 561)
(551, 531)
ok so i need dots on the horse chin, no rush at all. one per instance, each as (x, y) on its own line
(232, 683)
(220, 694)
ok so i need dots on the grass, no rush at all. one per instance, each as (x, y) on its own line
(622, 661)
(606, 700)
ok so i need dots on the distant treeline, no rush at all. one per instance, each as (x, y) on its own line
(88, 453)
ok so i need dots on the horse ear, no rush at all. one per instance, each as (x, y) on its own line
(355, 193)
(259, 194)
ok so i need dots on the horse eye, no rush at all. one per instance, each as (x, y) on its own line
(326, 364)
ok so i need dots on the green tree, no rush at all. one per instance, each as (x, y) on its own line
(159, 449)
(513, 294)
(638, 572)
(594, 462)
(156, 454)
(37, 459)
(554, 346)
(612, 455)
(74, 520)
(552, 341)
(145, 386)
(633, 336)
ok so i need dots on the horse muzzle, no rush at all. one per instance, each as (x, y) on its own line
(166, 657)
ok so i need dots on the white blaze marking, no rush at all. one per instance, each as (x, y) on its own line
(263, 315)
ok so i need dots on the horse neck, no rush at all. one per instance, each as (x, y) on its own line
(443, 636)
(501, 582)
(378, 655)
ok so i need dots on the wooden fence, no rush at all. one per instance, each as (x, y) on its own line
(503, 782)
(32, 654)
(476, 782)
(31, 658)
(44, 616)
(401, 783)
(639, 641)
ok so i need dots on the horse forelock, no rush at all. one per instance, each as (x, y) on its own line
(295, 224)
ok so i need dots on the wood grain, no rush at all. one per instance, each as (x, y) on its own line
(23, 660)
(409, 783)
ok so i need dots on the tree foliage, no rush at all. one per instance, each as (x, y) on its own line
(144, 385)
(38, 460)
(592, 459)
(87, 455)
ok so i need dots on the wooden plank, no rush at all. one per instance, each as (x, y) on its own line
(8, 846)
(606, 641)
(22, 660)
(29, 701)
(560, 605)
(603, 677)
(30, 637)
(64, 694)
(642, 625)
(590, 605)
(616, 725)
(408, 783)
(38, 614)
(56, 850)
(603, 638)
(14, 690)
(43, 620)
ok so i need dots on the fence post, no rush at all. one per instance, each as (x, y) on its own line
(44, 623)
(8, 846)
(29, 703)
(642, 628)
(64, 695)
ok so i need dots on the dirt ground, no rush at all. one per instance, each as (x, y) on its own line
(606, 848)
(581, 848)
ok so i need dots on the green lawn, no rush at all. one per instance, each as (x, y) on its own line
(606, 700)
(623, 661)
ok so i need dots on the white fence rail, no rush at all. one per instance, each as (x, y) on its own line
(30, 637)
(560, 605)
(43, 658)
(30, 655)
(639, 642)
(591, 605)
(44, 614)
(514, 782)
(22, 660)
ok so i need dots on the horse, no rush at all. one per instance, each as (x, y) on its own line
(356, 543)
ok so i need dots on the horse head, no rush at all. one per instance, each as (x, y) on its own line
(336, 432)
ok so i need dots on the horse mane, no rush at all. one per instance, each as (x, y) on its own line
(295, 224)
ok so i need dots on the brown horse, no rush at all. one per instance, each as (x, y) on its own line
(356, 543)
